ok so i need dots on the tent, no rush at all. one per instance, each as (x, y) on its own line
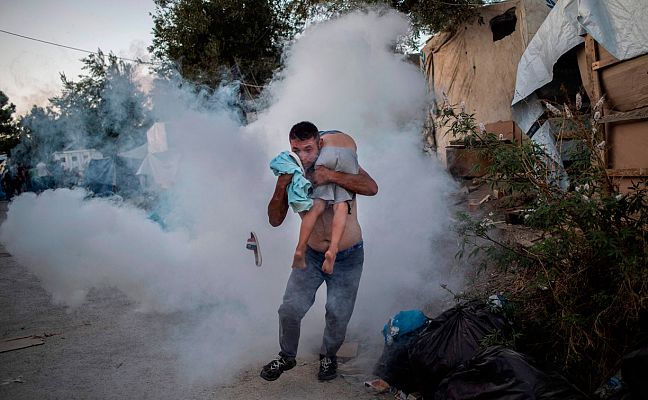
(106, 176)
(156, 165)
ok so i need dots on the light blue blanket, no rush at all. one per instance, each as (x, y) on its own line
(299, 187)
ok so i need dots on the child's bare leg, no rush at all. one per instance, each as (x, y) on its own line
(306, 228)
(340, 211)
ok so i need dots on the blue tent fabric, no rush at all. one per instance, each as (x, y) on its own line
(299, 187)
(100, 171)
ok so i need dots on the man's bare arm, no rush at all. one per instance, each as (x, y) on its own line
(278, 206)
(360, 183)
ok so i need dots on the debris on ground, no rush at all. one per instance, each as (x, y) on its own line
(448, 357)
(12, 380)
(20, 343)
(378, 385)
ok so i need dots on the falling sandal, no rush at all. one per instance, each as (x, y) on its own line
(253, 244)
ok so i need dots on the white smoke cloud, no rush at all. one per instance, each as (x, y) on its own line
(341, 74)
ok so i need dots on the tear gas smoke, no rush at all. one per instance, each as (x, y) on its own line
(340, 74)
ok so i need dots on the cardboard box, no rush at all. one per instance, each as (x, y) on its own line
(506, 130)
(465, 163)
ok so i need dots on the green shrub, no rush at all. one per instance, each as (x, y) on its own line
(585, 297)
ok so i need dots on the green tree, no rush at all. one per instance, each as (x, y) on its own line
(9, 132)
(208, 41)
(104, 109)
(211, 40)
(426, 16)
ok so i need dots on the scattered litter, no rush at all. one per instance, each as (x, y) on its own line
(378, 385)
(497, 301)
(473, 205)
(12, 380)
(610, 388)
(20, 343)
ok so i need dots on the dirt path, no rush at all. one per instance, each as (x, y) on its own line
(105, 350)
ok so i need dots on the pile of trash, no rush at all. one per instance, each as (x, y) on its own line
(447, 357)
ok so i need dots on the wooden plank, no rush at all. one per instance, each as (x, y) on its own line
(505, 130)
(628, 144)
(592, 51)
(465, 163)
(604, 59)
(633, 172)
(640, 113)
(626, 84)
(591, 57)
(596, 65)
(20, 343)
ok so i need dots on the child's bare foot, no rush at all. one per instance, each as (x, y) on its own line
(299, 260)
(329, 260)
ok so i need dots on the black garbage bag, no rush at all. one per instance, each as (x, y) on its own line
(504, 374)
(634, 370)
(394, 367)
(450, 340)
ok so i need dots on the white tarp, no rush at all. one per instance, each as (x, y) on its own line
(620, 26)
(162, 167)
(156, 138)
(138, 153)
(157, 162)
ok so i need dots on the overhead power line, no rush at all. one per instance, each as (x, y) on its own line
(70, 47)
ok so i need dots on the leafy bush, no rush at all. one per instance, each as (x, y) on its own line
(585, 297)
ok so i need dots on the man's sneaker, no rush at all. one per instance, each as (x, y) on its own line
(327, 369)
(273, 370)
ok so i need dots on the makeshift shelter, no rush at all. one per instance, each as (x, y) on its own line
(157, 165)
(477, 63)
(107, 176)
(610, 39)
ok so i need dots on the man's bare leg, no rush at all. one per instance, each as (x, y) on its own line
(306, 228)
(340, 211)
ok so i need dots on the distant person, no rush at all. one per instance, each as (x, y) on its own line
(8, 184)
(342, 285)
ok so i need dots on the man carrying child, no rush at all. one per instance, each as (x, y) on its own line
(342, 277)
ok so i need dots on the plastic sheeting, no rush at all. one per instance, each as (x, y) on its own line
(156, 138)
(500, 373)
(138, 153)
(620, 26)
(394, 365)
(100, 171)
(162, 167)
(451, 339)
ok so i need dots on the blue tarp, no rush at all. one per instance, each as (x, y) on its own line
(101, 171)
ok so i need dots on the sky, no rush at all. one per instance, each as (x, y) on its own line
(29, 70)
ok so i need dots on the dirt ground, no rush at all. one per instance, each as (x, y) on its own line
(105, 350)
